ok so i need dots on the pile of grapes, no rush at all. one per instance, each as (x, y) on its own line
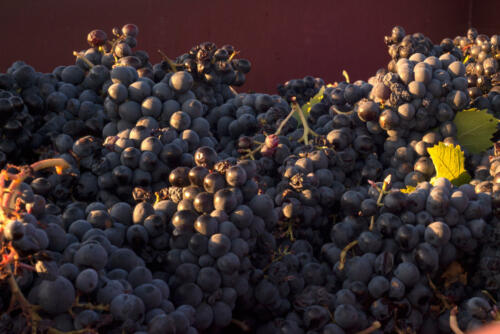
(146, 198)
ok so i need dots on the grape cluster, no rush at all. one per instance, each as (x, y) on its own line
(481, 54)
(407, 105)
(117, 51)
(390, 275)
(215, 70)
(302, 90)
(401, 45)
(17, 121)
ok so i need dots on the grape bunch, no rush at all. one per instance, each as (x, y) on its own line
(481, 61)
(387, 271)
(214, 71)
(402, 45)
(117, 51)
(300, 89)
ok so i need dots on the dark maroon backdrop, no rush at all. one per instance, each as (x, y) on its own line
(283, 39)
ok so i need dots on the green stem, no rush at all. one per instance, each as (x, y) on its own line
(277, 132)
(382, 191)
(307, 129)
(85, 60)
(173, 66)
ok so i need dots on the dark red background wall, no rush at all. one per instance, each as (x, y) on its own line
(283, 39)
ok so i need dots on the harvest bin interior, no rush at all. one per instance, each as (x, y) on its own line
(329, 167)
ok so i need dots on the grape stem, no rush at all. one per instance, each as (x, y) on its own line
(88, 306)
(343, 254)
(29, 310)
(385, 185)
(85, 60)
(241, 324)
(277, 132)
(173, 66)
(488, 294)
(438, 294)
(454, 322)
(307, 129)
(376, 325)
(233, 55)
(231, 88)
(346, 76)
(9, 200)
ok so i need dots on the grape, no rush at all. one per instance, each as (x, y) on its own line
(333, 329)
(225, 200)
(56, 296)
(162, 323)
(346, 316)
(96, 38)
(127, 306)
(92, 255)
(181, 81)
(86, 318)
(14, 230)
(358, 269)
(378, 286)
(130, 111)
(118, 92)
(437, 234)
(183, 221)
(72, 74)
(426, 257)
(87, 280)
(397, 289)
(456, 69)
(408, 273)
(189, 294)
(162, 91)
(180, 320)
(380, 310)
(478, 307)
(123, 258)
(218, 245)
(228, 263)
(150, 295)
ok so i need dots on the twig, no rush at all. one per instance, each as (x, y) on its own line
(241, 324)
(277, 132)
(453, 321)
(346, 76)
(387, 182)
(343, 253)
(307, 129)
(376, 325)
(173, 66)
(85, 60)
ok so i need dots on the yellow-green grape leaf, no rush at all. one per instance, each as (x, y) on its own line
(306, 107)
(449, 162)
(475, 129)
(408, 190)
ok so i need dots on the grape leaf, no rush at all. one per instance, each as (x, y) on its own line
(306, 107)
(449, 162)
(408, 190)
(475, 129)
